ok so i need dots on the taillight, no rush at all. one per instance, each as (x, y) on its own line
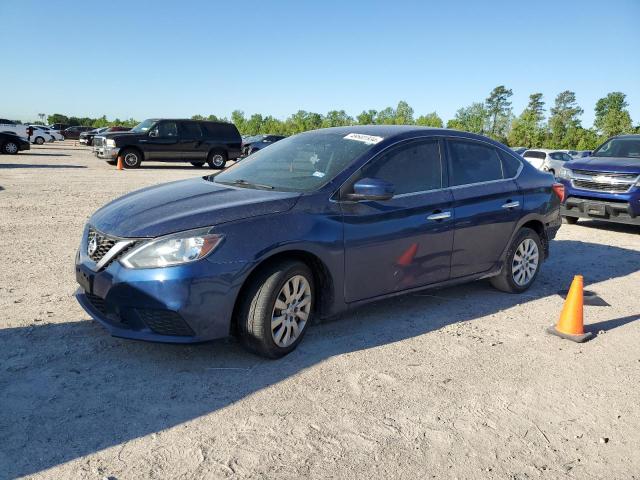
(558, 189)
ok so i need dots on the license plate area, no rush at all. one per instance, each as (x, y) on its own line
(85, 280)
(596, 209)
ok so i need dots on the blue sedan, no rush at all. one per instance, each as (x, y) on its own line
(316, 224)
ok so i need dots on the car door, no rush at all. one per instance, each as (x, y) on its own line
(487, 205)
(162, 142)
(406, 241)
(191, 144)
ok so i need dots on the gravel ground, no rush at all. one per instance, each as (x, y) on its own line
(454, 383)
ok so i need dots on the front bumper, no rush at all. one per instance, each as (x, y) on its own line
(184, 304)
(24, 146)
(108, 153)
(605, 206)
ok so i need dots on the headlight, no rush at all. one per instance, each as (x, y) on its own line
(176, 249)
(110, 142)
(565, 173)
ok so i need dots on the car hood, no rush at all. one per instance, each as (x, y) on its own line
(606, 164)
(184, 205)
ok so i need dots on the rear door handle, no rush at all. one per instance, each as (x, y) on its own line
(439, 216)
(511, 204)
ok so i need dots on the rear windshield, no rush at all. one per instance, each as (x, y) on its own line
(619, 147)
(534, 154)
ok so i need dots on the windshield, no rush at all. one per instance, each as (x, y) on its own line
(254, 138)
(619, 147)
(143, 127)
(301, 163)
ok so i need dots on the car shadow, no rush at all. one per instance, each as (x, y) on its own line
(610, 226)
(68, 389)
(32, 154)
(34, 165)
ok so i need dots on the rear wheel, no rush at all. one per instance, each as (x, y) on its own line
(131, 158)
(522, 263)
(38, 141)
(571, 220)
(10, 148)
(217, 160)
(276, 309)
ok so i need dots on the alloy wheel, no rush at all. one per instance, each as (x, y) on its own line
(217, 160)
(131, 159)
(525, 262)
(291, 311)
(11, 148)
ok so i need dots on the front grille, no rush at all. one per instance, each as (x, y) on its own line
(165, 322)
(97, 302)
(602, 187)
(104, 244)
(97, 141)
(619, 176)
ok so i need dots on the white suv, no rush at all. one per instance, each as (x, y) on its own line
(547, 160)
(9, 126)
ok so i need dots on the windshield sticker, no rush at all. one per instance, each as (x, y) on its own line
(368, 139)
(318, 174)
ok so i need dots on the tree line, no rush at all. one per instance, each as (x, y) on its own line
(493, 117)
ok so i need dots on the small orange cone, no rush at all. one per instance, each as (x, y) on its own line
(571, 326)
(119, 167)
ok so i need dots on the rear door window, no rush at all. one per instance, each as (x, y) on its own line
(473, 162)
(413, 167)
(191, 130)
(510, 164)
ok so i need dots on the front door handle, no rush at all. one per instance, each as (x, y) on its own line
(439, 216)
(511, 204)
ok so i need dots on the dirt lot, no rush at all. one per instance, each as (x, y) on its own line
(454, 383)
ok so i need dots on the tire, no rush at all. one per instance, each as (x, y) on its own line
(217, 159)
(10, 148)
(528, 247)
(260, 302)
(131, 158)
(38, 141)
(570, 220)
(197, 164)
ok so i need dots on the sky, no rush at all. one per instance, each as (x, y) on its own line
(144, 59)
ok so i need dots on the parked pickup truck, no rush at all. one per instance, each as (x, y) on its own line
(169, 140)
(606, 185)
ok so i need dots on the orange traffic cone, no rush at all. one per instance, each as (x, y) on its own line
(119, 167)
(571, 326)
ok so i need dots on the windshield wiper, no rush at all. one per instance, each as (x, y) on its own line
(244, 183)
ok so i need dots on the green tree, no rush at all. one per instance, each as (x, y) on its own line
(430, 120)
(57, 118)
(588, 139)
(612, 116)
(564, 121)
(528, 129)
(499, 112)
(470, 119)
(336, 118)
(238, 119)
(367, 117)
(404, 114)
(386, 116)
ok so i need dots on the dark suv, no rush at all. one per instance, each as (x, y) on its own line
(73, 133)
(168, 140)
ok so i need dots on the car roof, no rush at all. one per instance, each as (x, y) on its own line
(546, 150)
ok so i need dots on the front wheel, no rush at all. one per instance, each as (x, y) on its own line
(522, 263)
(217, 160)
(277, 309)
(10, 148)
(131, 158)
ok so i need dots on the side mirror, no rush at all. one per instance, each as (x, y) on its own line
(371, 189)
